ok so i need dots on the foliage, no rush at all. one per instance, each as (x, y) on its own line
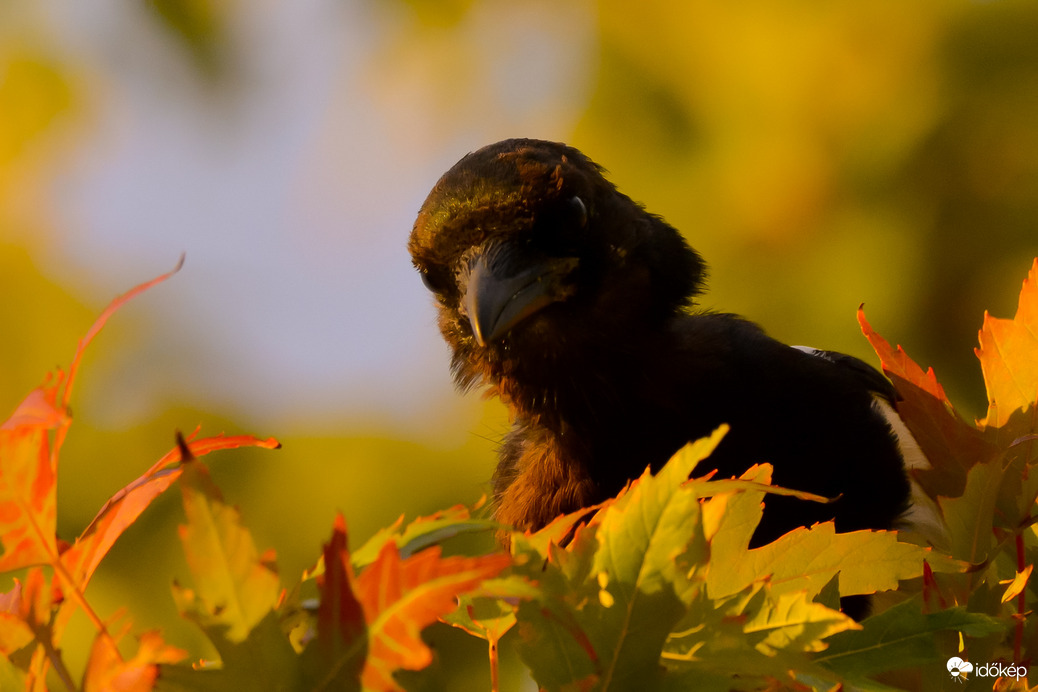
(655, 588)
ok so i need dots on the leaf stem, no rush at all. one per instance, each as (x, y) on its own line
(495, 684)
(80, 598)
(1021, 601)
(72, 588)
(54, 656)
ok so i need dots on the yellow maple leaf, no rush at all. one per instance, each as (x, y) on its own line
(1008, 356)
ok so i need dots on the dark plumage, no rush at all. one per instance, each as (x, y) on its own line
(572, 303)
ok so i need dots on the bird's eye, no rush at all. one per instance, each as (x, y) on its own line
(433, 280)
(559, 228)
(426, 281)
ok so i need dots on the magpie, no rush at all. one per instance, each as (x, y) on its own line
(575, 306)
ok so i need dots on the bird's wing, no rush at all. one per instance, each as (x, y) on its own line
(922, 515)
(871, 378)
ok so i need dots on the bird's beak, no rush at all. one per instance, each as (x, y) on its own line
(497, 299)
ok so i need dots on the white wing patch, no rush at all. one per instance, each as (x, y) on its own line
(922, 516)
(910, 450)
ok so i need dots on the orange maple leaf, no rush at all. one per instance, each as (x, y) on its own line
(28, 501)
(24, 612)
(108, 671)
(126, 505)
(29, 458)
(385, 609)
(401, 597)
(1008, 356)
(951, 445)
(896, 363)
(30, 441)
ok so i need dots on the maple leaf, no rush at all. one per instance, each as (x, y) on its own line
(14, 630)
(108, 671)
(751, 633)
(807, 558)
(235, 585)
(735, 507)
(125, 506)
(24, 612)
(27, 615)
(265, 660)
(488, 619)
(1008, 356)
(612, 595)
(110, 310)
(28, 499)
(422, 532)
(30, 442)
(560, 528)
(337, 656)
(401, 597)
(482, 612)
(970, 517)
(898, 364)
(489, 611)
(1017, 584)
(369, 626)
(950, 444)
(902, 637)
(29, 458)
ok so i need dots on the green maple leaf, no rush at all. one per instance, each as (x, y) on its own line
(612, 597)
(236, 586)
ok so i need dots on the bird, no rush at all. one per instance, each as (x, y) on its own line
(579, 308)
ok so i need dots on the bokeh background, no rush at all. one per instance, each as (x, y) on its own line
(819, 155)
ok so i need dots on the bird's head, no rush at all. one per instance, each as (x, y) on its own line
(535, 258)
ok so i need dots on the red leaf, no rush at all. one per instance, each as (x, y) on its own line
(39, 409)
(126, 505)
(951, 445)
(29, 461)
(119, 513)
(898, 364)
(401, 597)
(340, 615)
(337, 655)
(99, 324)
(28, 502)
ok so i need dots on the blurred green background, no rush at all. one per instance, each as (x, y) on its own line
(819, 155)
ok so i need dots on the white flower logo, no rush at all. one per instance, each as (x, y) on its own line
(959, 669)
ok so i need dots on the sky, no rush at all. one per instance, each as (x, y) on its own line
(815, 165)
(290, 181)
